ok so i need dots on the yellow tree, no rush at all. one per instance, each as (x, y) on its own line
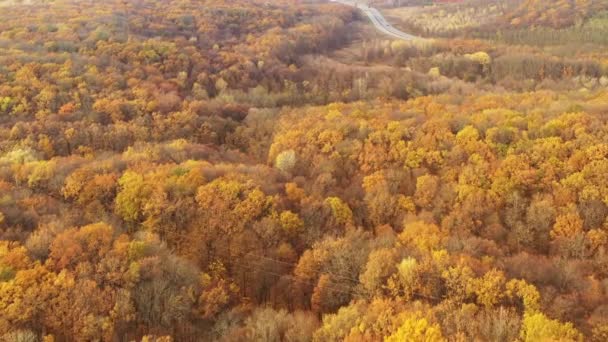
(489, 289)
(132, 196)
(425, 237)
(340, 210)
(537, 327)
(417, 329)
(25, 298)
(567, 226)
(426, 188)
(380, 265)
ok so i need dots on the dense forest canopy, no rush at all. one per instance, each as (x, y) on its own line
(251, 170)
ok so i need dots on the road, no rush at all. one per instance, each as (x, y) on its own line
(378, 20)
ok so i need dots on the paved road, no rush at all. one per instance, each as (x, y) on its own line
(378, 20)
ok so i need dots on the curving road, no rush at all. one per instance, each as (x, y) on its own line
(378, 20)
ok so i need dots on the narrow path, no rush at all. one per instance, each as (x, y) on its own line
(378, 20)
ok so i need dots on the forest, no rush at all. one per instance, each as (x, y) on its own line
(252, 170)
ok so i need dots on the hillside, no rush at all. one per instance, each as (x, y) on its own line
(555, 14)
(483, 17)
(285, 171)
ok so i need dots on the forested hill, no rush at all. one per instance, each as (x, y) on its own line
(280, 171)
(556, 14)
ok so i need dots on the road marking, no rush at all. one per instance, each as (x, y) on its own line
(378, 20)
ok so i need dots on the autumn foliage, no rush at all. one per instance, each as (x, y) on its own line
(214, 171)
